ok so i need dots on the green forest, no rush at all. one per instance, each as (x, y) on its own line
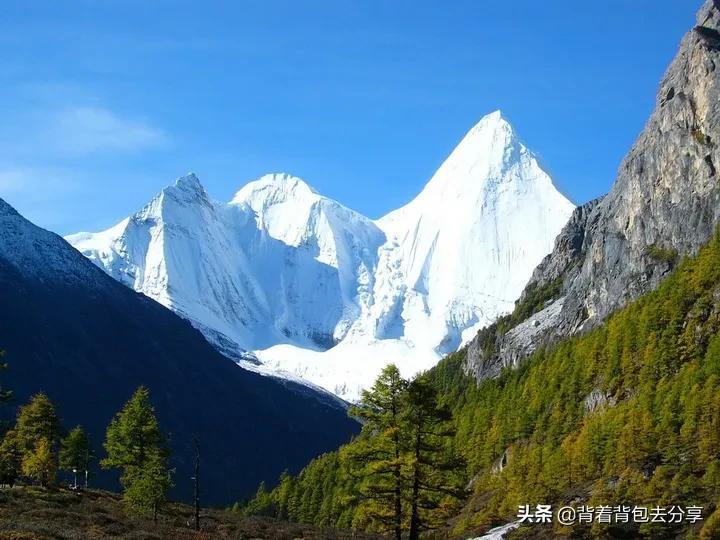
(628, 413)
(35, 449)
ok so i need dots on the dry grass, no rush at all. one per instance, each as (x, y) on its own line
(28, 513)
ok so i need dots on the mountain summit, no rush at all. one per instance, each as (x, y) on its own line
(318, 291)
(464, 242)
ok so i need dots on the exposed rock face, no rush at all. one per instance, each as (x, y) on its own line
(569, 250)
(597, 399)
(665, 204)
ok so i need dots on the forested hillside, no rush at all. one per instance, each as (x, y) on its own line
(626, 414)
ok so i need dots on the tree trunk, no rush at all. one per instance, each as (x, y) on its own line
(398, 480)
(197, 486)
(414, 514)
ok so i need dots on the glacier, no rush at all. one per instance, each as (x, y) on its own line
(290, 283)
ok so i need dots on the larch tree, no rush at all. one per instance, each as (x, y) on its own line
(435, 475)
(41, 463)
(76, 454)
(135, 444)
(10, 458)
(37, 433)
(375, 457)
(10, 451)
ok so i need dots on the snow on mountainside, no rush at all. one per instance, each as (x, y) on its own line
(464, 248)
(315, 290)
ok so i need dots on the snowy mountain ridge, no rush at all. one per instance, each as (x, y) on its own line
(313, 289)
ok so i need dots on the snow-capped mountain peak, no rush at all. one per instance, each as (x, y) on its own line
(317, 290)
(274, 188)
(468, 242)
(473, 172)
(186, 190)
(189, 183)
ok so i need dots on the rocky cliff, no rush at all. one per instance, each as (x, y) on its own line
(664, 205)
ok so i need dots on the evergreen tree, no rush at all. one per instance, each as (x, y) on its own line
(36, 421)
(10, 455)
(261, 504)
(135, 444)
(147, 486)
(76, 455)
(376, 455)
(435, 475)
(10, 458)
(37, 433)
(283, 495)
(41, 463)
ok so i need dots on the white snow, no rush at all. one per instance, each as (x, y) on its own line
(498, 533)
(315, 290)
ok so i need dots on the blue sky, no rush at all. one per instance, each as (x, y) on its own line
(105, 102)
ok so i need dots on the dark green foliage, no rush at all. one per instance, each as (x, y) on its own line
(399, 475)
(662, 254)
(36, 421)
(262, 504)
(76, 453)
(435, 475)
(135, 444)
(37, 434)
(40, 463)
(30, 448)
(11, 454)
(375, 460)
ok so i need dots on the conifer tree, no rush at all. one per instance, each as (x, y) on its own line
(76, 454)
(10, 451)
(262, 503)
(135, 444)
(41, 463)
(10, 459)
(36, 421)
(434, 473)
(37, 433)
(147, 486)
(284, 493)
(376, 455)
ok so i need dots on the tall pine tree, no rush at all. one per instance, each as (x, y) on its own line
(76, 455)
(135, 444)
(37, 433)
(10, 451)
(375, 458)
(435, 475)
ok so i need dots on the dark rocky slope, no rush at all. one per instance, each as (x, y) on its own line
(664, 204)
